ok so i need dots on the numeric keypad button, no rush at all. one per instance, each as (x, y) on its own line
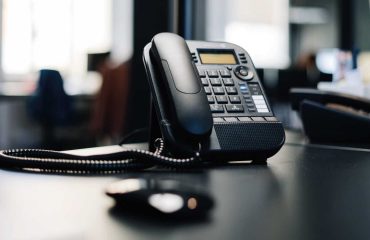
(234, 99)
(218, 90)
(216, 82)
(233, 108)
(221, 99)
(225, 73)
(228, 82)
(201, 73)
(207, 90)
(210, 99)
(212, 73)
(231, 90)
(204, 81)
(216, 108)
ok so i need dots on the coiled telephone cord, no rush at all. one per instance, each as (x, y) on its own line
(47, 160)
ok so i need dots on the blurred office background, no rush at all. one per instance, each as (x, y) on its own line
(90, 53)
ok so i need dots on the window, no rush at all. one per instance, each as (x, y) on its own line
(260, 27)
(54, 34)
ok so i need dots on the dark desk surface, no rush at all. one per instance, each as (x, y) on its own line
(304, 192)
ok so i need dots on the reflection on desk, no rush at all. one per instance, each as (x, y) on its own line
(304, 192)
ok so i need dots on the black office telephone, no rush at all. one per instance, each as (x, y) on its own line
(208, 98)
(208, 106)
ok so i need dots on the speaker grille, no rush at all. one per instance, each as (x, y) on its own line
(250, 136)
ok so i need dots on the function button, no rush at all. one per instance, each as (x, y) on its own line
(261, 106)
(231, 119)
(231, 90)
(207, 90)
(221, 99)
(260, 102)
(246, 96)
(241, 54)
(248, 101)
(263, 110)
(212, 73)
(250, 105)
(258, 119)
(229, 68)
(243, 73)
(244, 90)
(234, 108)
(215, 108)
(228, 82)
(251, 110)
(215, 120)
(225, 73)
(234, 99)
(245, 119)
(271, 119)
(210, 99)
(258, 97)
(255, 89)
(218, 90)
(204, 81)
(201, 73)
(215, 82)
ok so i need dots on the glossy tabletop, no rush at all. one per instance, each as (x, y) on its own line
(304, 192)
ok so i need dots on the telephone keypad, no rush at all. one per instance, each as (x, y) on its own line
(232, 97)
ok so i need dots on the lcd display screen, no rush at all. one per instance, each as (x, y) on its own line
(217, 58)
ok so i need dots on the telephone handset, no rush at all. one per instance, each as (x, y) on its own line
(209, 106)
(208, 98)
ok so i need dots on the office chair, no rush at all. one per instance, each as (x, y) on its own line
(50, 105)
(333, 118)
